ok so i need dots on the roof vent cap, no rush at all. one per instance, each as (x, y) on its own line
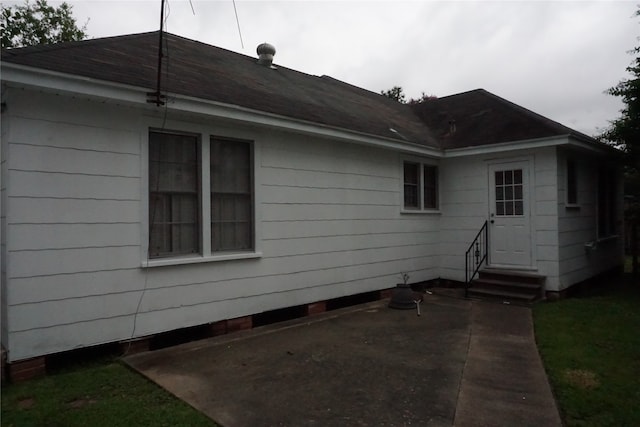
(266, 52)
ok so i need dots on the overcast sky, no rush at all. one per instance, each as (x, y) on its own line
(555, 58)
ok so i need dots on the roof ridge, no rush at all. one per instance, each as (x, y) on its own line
(27, 50)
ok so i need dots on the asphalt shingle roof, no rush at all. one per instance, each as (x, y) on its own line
(203, 71)
(482, 118)
(207, 72)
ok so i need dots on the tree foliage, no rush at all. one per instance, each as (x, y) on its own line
(397, 94)
(38, 23)
(624, 131)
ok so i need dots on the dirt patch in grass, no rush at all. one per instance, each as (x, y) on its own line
(81, 402)
(26, 403)
(581, 378)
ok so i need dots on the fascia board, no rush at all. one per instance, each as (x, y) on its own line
(508, 146)
(51, 81)
(597, 148)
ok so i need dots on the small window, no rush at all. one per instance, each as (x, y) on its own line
(420, 186)
(572, 183)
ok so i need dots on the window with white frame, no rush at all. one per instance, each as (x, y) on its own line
(420, 186)
(572, 183)
(177, 192)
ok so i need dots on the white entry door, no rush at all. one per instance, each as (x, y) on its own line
(509, 215)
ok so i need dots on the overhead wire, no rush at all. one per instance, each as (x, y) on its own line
(238, 23)
(163, 53)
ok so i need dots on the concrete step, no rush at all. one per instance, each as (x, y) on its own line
(502, 295)
(517, 276)
(510, 286)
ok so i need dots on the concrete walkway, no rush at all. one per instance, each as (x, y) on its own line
(460, 363)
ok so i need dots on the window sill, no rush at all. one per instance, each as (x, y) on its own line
(572, 206)
(607, 238)
(421, 212)
(161, 262)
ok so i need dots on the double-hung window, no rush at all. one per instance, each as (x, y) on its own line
(420, 186)
(184, 207)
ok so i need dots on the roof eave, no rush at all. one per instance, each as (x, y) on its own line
(53, 81)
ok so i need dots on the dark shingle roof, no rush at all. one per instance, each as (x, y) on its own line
(482, 118)
(207, 72)
(203, 71)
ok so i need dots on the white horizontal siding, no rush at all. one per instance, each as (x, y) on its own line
(464, 205)
(409, 224)
(33, 237)
(72, 186)
(4, 150)
(545, 216)
(74, 211)
(329, 216)
(578, 226)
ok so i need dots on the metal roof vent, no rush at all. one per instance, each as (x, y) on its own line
(265, 55)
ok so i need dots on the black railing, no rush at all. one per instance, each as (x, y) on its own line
(476, 255)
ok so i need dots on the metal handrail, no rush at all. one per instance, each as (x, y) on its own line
(476, 255)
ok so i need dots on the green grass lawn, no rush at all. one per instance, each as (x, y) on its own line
(591, 351)
(96, 394)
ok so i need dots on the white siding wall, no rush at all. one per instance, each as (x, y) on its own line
(4, 135)
(578, 225)
(545, 216)
(465, 207)
(329, 219)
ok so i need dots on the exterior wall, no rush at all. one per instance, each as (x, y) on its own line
(465, 208)
(578, 225)
(329, 220)
(4, 136)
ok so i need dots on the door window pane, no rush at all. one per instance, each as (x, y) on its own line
(517, 176)
(508, 177)
(518, 208)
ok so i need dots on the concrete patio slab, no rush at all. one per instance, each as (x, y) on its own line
(365, 366)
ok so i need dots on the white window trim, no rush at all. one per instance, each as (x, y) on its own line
(422, 163)
(567, 204)
(205, 133)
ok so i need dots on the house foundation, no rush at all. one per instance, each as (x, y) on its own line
(316, 308)
(27, 369)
